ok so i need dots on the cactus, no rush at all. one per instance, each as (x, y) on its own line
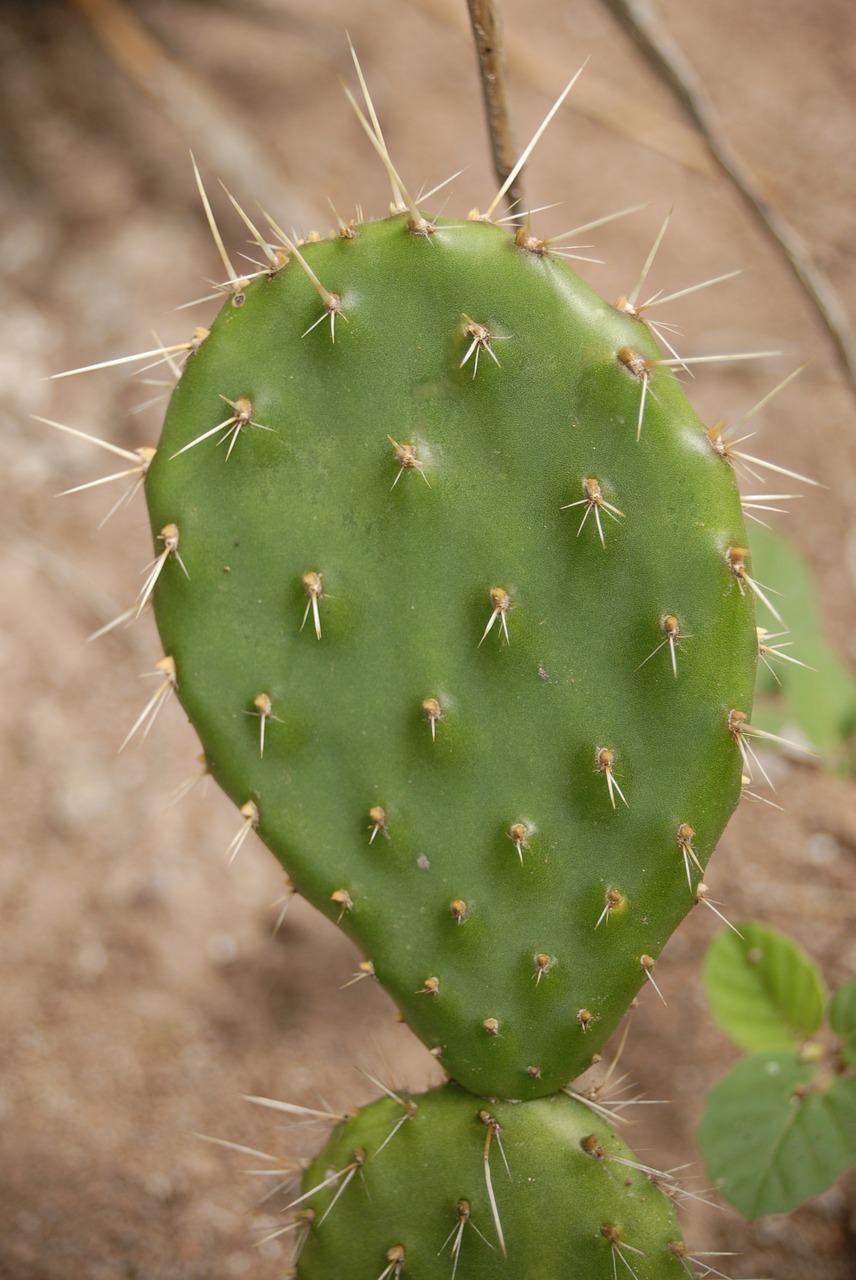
(482, 720)
(443, 1183)
(453, 584)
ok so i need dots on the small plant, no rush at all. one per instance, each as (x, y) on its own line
(781, 1126)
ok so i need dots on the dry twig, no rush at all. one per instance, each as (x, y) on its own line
(666, 59)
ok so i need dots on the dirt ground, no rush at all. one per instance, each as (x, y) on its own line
(143, 992)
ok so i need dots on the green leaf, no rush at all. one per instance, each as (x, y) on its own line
(763, 990)
(819, 705)
(773, 1134)
(842, 1019)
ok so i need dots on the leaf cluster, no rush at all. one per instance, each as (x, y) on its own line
(781, 1125)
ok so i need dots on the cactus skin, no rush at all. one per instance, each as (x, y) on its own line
(552, 1209)
(468, 844)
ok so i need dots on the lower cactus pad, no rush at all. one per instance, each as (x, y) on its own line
(446, 1184)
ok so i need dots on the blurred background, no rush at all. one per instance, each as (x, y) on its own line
(143, 988)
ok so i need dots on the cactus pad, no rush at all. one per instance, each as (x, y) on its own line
(446, 565)
(446, 1184)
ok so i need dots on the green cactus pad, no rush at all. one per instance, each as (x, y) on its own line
(418, 546)
(416, 1185)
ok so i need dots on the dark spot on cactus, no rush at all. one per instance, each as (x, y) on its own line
(634, 361)
(314, 588)
(702, 895)
(343, 899)
(594, 501)
(612, 1233)
(332, 308)
(518, 834)
(684, 837)
(501, 604)
(249, 812)
(716, 439)
(433, 712)
(615, 900)
(365, 969)
(419, 226)
(626, 307)
(230, 428)
(737, 721)
(640, 368)
(407, 457)
(395, 1257)
(170, 538)
(524, 239)
(163, 667)
(481, 339)
(459, 910)
(264, 710)
(735, 558)
(377, 820)
(671, 629)
(239, 298)
(605, 757)
(646, 963)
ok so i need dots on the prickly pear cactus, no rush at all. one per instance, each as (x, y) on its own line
(444, 1184)
(453, 586)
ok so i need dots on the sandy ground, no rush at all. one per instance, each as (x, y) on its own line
(142, 989)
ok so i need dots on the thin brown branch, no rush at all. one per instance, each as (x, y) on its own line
(486, 21)
(607, 104)
(663, 55)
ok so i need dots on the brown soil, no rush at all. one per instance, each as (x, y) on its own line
(143, 991)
